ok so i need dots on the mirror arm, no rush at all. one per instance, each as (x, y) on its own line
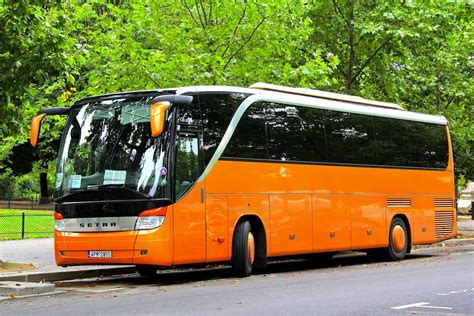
(55, 111)
(173, 99)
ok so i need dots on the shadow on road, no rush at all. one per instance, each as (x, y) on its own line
(191, 275)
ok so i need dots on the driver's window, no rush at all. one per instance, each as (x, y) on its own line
(187, 161)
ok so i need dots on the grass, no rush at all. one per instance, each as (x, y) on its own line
(38, 224)
(6, 266)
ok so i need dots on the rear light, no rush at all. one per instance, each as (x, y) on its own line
(151, 219)
(59, 224)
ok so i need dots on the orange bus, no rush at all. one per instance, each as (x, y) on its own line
(207, 174)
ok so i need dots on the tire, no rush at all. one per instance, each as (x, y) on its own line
(398, 240)
(243, 249)
(146, 270)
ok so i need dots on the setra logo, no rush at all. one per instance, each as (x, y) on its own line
(98, 224)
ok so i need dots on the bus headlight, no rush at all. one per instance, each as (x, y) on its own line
(59, 224)
(149, 222)
(151, 219)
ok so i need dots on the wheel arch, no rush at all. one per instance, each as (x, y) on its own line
(259, 232)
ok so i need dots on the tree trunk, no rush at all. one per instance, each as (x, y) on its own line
(352, 57)
(44, 188)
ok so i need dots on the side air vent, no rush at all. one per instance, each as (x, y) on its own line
(444, 223)
(443, 203)
(399, 202)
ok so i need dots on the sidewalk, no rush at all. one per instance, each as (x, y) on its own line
(40, 252)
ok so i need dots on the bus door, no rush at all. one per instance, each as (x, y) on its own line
(189, 209)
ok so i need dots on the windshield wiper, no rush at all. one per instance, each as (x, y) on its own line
(64, 197)
(104, 187)
(123, 187)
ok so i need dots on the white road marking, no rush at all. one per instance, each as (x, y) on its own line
(410, 305)
(455, 292)
(437, 307)
(420, 304)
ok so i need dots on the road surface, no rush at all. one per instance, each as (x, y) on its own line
(429, 281)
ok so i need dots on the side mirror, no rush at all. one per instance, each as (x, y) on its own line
(35, 129)
(157, 117)
(36, 121)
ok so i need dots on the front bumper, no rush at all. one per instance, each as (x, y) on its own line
(152, 247)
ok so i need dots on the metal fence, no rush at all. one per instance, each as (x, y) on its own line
(22, 225)
(24, 204)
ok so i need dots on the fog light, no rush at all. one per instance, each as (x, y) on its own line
(143, 252)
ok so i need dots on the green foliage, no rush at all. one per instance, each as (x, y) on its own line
(416, 54)
(31, 57)
(413, 53)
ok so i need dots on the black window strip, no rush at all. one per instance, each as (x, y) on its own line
(293, 162)
(372, 141)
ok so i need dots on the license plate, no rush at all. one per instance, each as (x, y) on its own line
(100, 254)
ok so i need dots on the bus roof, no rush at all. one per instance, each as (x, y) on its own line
(324, 95)
(302, 96)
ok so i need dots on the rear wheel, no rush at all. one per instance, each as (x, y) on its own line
(398, 242)
(146, 270)
(243, 249)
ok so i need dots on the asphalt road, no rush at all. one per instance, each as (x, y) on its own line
(429, 281)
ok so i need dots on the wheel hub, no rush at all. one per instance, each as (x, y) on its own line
(398, 238)
(251, 247)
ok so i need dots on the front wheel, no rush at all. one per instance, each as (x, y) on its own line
(243, 249)
(398, 242)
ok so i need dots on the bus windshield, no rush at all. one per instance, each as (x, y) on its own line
(108, 144)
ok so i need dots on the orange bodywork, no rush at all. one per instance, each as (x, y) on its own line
(303, 208)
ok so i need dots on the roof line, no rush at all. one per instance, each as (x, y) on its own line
(323, 95)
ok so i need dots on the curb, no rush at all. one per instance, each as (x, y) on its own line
(447, 243)
(67, 275)
(15, 288)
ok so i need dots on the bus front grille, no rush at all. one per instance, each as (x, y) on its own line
(444, 223)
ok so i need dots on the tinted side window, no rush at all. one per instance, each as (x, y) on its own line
(217, 110)
(350, 138)
(189, 114)
(428, 145)
(392, 141)
(295, 133)
(249, 138)
(440, 148)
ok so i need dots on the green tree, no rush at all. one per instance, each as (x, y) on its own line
(416, 54)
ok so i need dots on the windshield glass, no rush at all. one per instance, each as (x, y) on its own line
(109, 144)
